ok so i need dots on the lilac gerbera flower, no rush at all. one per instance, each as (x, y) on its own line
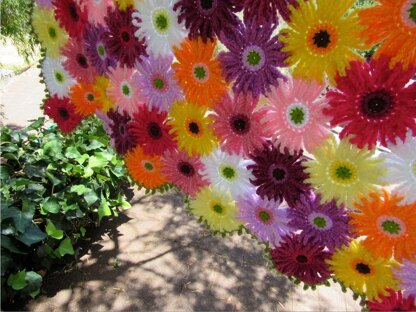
(324, 224)
(406, 274)
(155, 80)
(263, 218)
(123, 140)
(253, 58)
(279, 175)
(95, 49)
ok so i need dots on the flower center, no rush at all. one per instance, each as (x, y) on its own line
(218, 209)
(63, 112)
(301, 259)
(343, 172)
(122, 129)
(253, 58)
(319, 222)
(363, 268)
(322, 39)
(297, 115)
(200, 72)
(206, 4)
(154, 130)
(125, 89)
(148, 166)
(101, 50)
(412, 13)
(59, 77)
(161, 21)
(228, 172)
(52, 32)
(240, 124)
(376, 104)
(158, 83)
(90, 97)
(279, 174)
(264, 216)
(193, 127)
(391, 226)
(186, 169)
(82, 61)
(73, 12)
(125, 36)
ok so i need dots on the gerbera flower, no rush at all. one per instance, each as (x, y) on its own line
(387, 225)
(304, 261)
(95, 49)
(183, 170)
(238, 123)
(119, 40)
(157, 23)
(265, 11)
(151, 132)
(156, 83)
(72, 15)
(145, 169)
(123, 140)
(76, 62)
(227, 173)
(406, 274)
(294, 117)
(393, 24)
(217, 209)
(356, 268)
(278, 175)
(124, 4)
(400, 166)
(207, 18)
(373, 103)
(341, 171)
(393, 302)
(321, 223)
(85, 99)
(51, 36)
(101, 85)
(253, 58)
(191, 128)
(57, 79)
(321, 44)
(264, 218)
(62, 111)
(44, 3)
(123, 90)
(97, 10)
(198, 73)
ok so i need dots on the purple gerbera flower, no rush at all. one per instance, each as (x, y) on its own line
(279, 175)
(265, 11)
(207, 18)
(263, 218)
(155, 80)
(406, 274)
(253, 58)
(95, 49)
(324, 224)
(123, 141)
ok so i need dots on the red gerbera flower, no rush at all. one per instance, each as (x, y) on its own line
(120, 40)
(303, 260)
(393, 302)
(150, 131)
(72, 15)
(374, 103)
(122, 140)
(62, 111)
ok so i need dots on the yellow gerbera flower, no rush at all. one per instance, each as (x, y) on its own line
(124, 4)
(321, 38)
(356, 268)
(191, 128)
(101, 84)
(343, 172)
(217, 209)
(51, 36)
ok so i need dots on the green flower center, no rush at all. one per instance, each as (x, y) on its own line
(158, 83)
(90, 97)
(412, 12)
(264, 216)
(200, 72)
(59, 77)
(148, 166)
(343, 173)
(228, 172)
(319, 222)
(363, 268)
(297, 115)
(253, 58)
(125, 89)
(414, 168)
(52, 32)
(391, 227)
(100, 50)
(218, 209)
(161, 22)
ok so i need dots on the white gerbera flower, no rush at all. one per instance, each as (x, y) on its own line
(57, 79)
(401, 168)
(158, 23)
(227, 173)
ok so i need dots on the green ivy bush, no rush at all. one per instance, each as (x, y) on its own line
(53, 188)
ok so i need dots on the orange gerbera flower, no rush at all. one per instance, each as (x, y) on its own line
(145, 169)
(85, 98)
(390, 228)
(198, 73)
(392, 22)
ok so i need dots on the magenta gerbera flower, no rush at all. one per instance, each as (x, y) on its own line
(265, 11)
(238, 123)
(123, 140)
(96, 50)
(304, 261)
(395, 301)
(253, 58)
(279, 175)
(374, 103)
(72, 16)
(207, 18)
(263, 218)
(323, 224)
(155, 80)
(120, 40)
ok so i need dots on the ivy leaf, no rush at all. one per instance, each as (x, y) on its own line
(8, 244)
(53, 179)
(17, 281)
(97, 161)
(51, 205)
(103, 209)
(79, 189)
(52, 148)
(34, 171)
(52, 231)
(72, 152)
(91, 198)
(34, 281)
(81, 159)
(36, 124)
(32, 235)
(5, 172)
(65, 248)
(21, 220)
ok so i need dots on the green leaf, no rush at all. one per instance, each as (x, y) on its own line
(94, 145)
(9, 156)
(53, 179)
(9, 148)
(83, 231)
(8, 244)
(32, 235)
(5, 172)
(37, 123)
(103, 209)
(72, 152)
(97, 161)
(34, 171)
(21, 220)
(51, 205)
(65, 248)
(34, 281)
(88, 172)
(17, 281)
(79, 189)
(53, 232)
(22, 181)
(52, 148)
(82, 158)
(91, 197)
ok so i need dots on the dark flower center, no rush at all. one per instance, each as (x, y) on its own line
(206, 4)
(264, 216)
(301, 259)
(322, 39)
(363, 268)
(297, 115)
(63, 112)
(253, 58)
(90, 97)
(59, 77)
(82, 61)
(412, 12)
(376, 104)
(218, 209)
(343, 173)
(154, 130)
(319, 222)
(125, 36)
(121, 129)
(240, 124)
(161, 22)
(279, 174)
(73, 12)
(186, 169)
(158, 83)
(391, 227)
(193, 127)
(52, 32)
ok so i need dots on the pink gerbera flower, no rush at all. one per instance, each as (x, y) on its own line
(123, 90)
(238, 123)
(97, 10)
(183, 170)
(294, 117)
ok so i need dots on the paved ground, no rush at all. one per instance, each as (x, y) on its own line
(156, 257)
